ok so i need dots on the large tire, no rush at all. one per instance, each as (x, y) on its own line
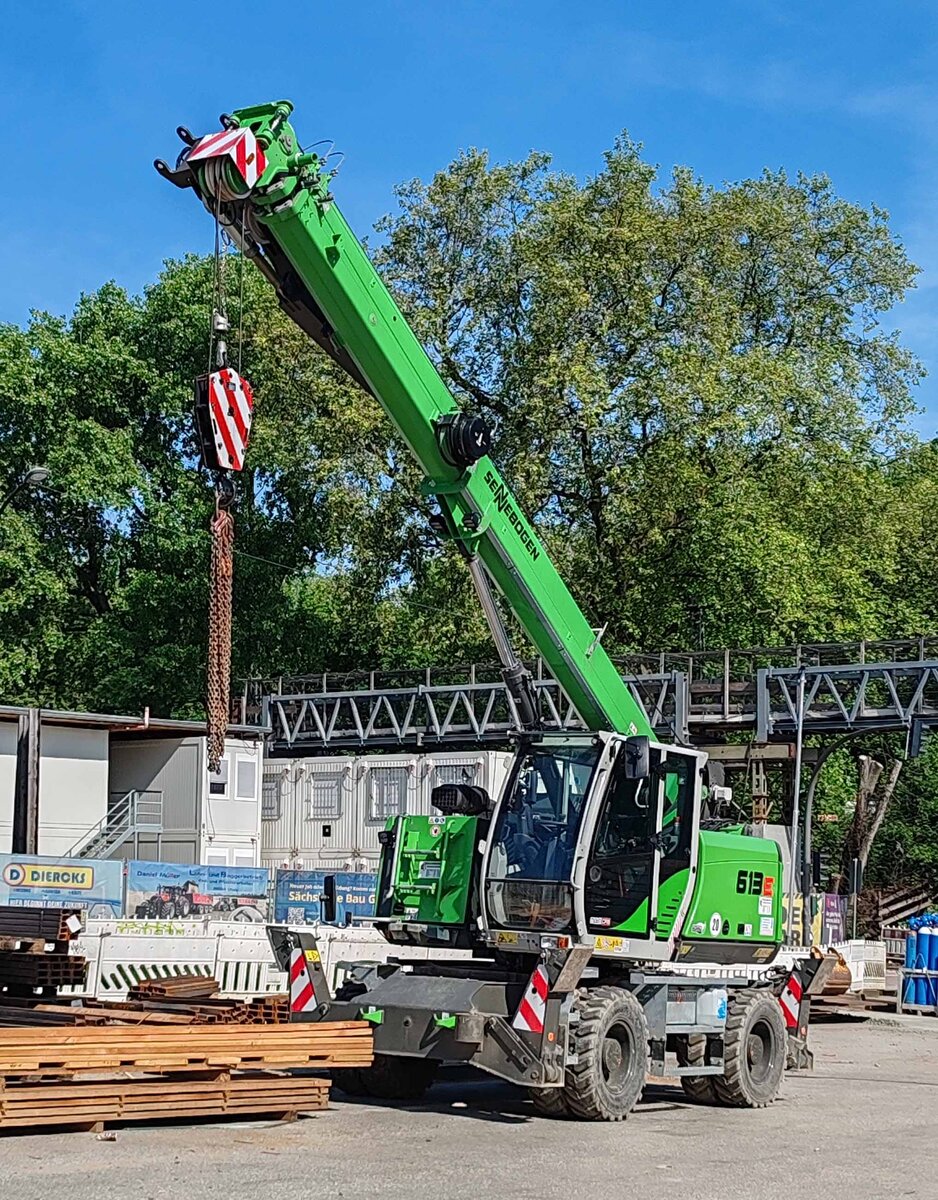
(691, 1051)
(394, 1077)
(755, 1044)
(550, 1102)
(610, 1042)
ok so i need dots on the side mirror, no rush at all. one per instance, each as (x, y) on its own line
(460, 799)
(637, 751)
(327, 901)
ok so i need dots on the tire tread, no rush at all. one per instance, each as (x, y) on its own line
(581, 1090)
(731, 1087)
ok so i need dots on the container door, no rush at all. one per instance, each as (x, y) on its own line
(278, 812)
(386, 789)
(327, 834)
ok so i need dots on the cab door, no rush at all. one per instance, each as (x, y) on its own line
(621, 881)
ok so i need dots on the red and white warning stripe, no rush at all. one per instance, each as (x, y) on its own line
(231, 405)
(790, 1000)
(302, 996)
(240, 145)
(530, 1015)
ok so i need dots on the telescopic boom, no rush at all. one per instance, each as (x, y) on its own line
(274, 200)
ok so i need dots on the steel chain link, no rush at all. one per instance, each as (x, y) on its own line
(219, 634)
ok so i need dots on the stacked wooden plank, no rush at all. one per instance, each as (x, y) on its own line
(94, 1104)
(67, 1049)
(34, 957)
(57, 1075)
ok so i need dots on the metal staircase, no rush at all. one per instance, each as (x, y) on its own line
(128, 816)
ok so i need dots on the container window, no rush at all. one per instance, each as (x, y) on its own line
(270, 796)
(454, 773)
(387, 793)
(324, 795)
(246, 779)
(218, 780)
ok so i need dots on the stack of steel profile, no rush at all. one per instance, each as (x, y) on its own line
(175, 987)
(48, 924)
(183, 1000)
(91, 1075)
(196, 997)
(34, 957)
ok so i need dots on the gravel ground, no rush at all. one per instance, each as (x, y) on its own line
(863, 1125)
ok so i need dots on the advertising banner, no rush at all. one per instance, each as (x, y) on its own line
(833, 918)
(297, 896)
(178, 890)
(30, 881)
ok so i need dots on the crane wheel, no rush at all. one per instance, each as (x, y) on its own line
(691, 1051)
(550, 1102)
(755, 1046)
(394, 1077)
(610, 1042)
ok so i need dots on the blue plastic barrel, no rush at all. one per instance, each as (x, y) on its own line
(929, 955)
(920, 990)
(908, 989)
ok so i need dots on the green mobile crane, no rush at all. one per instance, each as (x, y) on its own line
(596, 866)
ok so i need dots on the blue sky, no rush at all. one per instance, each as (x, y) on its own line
(92, 92)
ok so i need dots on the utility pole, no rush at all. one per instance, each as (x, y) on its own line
(794, 873)
(26, 789)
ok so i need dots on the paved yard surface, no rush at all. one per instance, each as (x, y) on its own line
(864, 1125)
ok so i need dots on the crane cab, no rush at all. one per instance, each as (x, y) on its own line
(595, 841)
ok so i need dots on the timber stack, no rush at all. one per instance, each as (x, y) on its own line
(91, 1075)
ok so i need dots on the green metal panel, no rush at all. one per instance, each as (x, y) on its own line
(433, 875)
(670, 894)
(292, 200)
(738, 895)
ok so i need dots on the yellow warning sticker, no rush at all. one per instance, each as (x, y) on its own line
(505, 938)
(312, 955)
(611, 945)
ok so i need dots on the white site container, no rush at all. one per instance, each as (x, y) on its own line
(206, 818)
(73, 785)
(326, 813)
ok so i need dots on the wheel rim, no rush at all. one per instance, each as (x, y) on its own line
(616, 1058)
(760, 1052)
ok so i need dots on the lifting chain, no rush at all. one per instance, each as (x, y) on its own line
(223, 525)
(219, 626)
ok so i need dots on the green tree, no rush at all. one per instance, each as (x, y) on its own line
(690, 386)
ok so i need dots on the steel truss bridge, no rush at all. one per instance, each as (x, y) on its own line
(700, 697)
